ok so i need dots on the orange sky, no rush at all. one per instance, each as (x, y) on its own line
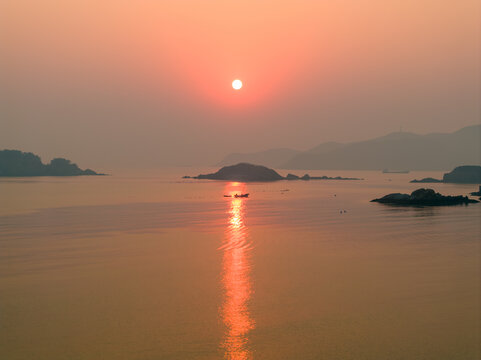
(151, 76)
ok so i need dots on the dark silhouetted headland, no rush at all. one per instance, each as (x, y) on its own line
(426, 197)
(467, 174)
(18, 163)
(245, 172)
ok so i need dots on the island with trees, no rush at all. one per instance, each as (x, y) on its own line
(244, 172)
(15, 163)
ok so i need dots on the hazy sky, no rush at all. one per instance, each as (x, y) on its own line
(117, 83)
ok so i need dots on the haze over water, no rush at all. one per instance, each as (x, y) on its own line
(151, 266)
(154, 267)
(148, 83)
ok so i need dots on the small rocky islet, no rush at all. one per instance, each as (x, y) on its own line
(477, 193)
(424, 197)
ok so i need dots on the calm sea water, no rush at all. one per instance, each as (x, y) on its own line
(155, 267)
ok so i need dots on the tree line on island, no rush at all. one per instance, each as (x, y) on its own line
(15, 163)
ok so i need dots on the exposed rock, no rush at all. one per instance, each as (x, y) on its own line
(427, 197)
(292, 177)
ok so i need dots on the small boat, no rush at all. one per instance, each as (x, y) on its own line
(238, 195)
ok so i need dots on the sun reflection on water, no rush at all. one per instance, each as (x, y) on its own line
(236, 280)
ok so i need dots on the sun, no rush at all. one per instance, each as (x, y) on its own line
(237, 84)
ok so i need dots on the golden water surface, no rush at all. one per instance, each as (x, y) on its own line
(150, 266)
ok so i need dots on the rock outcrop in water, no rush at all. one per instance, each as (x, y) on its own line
(427, 197)
(477, 193)
(427, 180)
(245, 172)
(18, 163)
(467, 174)
(308, 177)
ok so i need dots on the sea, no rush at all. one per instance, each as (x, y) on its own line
(146, 265)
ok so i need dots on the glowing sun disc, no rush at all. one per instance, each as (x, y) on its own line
(237, 84)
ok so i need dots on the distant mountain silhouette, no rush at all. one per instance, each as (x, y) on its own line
(18, 163)
(272, 157)
(325, 148)
(399, 150)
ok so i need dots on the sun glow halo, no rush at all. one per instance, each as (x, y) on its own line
(237, 84)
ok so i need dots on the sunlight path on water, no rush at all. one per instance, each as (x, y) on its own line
(236, 281)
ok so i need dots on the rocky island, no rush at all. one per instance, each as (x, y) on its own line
(467, 174)
(426, 180)
(426, 197)
(477, 193)
(244, 172)
(15, 163)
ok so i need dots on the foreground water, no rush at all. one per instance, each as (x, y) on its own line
(154, 267)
